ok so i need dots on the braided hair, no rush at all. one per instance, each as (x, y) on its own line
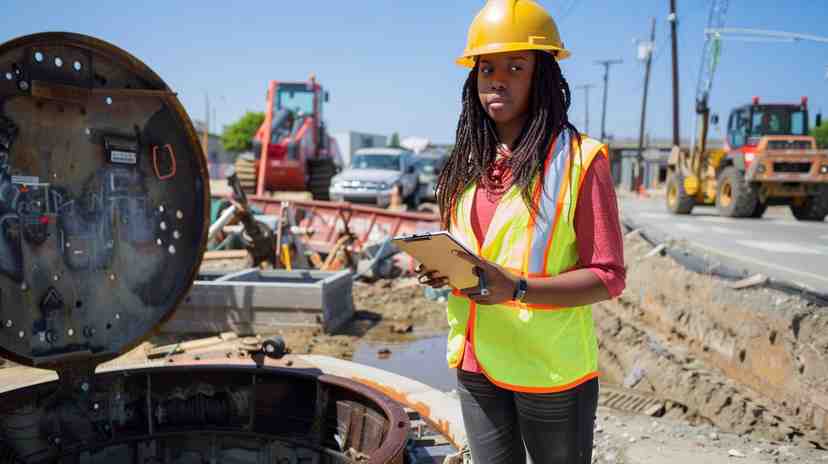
(476, 143)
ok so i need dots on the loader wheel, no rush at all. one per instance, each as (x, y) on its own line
(735, 197)
(814, 208)
(319, 181)
(246, 168)
(678, 201)
(760, 209)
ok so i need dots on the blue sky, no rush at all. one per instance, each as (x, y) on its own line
(388, 64)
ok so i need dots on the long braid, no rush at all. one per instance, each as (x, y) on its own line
(476, 143)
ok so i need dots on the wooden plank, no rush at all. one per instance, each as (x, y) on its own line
(225, 254)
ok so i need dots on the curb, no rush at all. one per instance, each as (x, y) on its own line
(710, 263)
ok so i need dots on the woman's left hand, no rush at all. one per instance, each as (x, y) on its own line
(499, 282)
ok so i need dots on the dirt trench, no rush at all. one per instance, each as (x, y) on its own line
(752, 361)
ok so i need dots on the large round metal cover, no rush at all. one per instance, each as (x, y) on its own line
(103, 200)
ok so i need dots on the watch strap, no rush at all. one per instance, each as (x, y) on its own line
(520, 290)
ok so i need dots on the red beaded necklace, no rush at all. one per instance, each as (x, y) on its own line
(498, 177)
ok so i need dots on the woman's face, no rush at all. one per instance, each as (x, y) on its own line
(504, 85)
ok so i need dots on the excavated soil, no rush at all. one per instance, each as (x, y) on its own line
(753, 361)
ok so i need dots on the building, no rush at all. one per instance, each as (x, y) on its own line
(624, 153)
(351, 141)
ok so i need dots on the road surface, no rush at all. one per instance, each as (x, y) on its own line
(777, 245)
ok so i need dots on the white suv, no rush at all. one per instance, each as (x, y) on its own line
(373, 175)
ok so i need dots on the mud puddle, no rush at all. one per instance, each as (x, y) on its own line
(423, 360)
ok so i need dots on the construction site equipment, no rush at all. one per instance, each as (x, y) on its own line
(768, 158)
(292, 149)
(104, 218)
(104, 205)
(265, 302)
(326, 222)
(509, 26)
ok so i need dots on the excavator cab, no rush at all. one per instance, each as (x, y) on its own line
(292, 148)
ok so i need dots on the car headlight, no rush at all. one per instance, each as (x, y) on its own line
(823, 169)
(383, 186)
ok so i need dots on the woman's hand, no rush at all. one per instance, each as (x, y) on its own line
(499, 282)
(430, 278)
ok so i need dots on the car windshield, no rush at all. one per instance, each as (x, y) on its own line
(388, 161)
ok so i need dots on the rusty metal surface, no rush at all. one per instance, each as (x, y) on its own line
(103, 200)
(439, 410)
(331, 220)
(279, 393)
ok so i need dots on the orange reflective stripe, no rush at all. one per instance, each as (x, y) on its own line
(524, 389)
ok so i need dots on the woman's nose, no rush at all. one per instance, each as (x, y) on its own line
(497, 84)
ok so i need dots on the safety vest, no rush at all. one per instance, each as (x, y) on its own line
(528, 347)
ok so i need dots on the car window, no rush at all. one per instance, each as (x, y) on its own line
(380, 161)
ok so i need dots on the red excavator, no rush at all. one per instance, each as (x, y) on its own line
(292, 150)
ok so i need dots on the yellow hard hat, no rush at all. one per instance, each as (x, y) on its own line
(509, 26)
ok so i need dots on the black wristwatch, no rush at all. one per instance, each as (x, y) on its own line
(520, 290)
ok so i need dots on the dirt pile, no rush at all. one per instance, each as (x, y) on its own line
(751, 361)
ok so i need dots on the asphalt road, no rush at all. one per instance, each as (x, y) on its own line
(777, 245)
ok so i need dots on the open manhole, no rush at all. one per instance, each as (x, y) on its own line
(103, 221)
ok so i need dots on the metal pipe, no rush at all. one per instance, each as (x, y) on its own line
(222, 221)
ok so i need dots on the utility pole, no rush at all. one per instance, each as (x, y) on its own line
(586, 88)
(606, 64)
(206, 134)
(639, 168)
(673, 18)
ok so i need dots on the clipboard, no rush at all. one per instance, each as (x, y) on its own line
(434, 251)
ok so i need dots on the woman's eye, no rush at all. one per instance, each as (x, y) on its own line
(515, 68)
(486, 71)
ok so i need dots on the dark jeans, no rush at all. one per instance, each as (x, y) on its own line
(504, 426)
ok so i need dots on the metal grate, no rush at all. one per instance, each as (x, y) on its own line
(789, 145)
(795, 168)
(630, 401)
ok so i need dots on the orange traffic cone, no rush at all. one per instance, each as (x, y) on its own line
(642, 192)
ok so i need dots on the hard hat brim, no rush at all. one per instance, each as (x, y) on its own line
(468, 58)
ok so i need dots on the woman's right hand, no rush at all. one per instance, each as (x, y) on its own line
(430, 278)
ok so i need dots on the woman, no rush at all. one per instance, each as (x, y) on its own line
(535, 200)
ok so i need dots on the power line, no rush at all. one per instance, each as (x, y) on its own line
(568, 10)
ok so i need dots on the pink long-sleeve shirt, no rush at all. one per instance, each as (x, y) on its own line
(597, 228)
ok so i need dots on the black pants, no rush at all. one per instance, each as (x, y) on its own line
(504, 426)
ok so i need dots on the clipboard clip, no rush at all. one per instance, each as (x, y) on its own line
(416, 238)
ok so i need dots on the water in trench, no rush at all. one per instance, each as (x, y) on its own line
(423, 360)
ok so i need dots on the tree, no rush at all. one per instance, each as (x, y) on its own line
(239, 135)
(821, 135)
(395, 140)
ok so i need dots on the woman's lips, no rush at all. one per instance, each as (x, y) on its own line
(497, 103)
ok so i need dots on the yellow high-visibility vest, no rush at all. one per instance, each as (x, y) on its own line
(526, 347)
